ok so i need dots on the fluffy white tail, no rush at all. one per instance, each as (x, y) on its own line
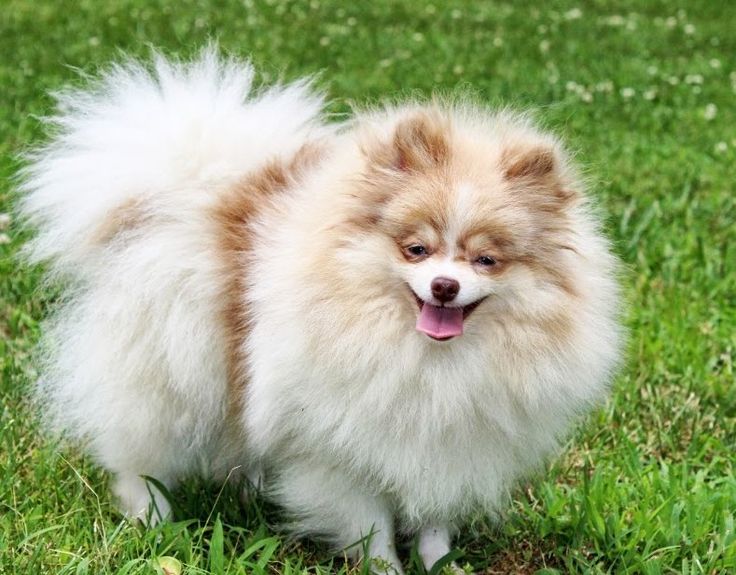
(153, 131)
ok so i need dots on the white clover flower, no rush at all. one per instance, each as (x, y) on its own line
(689, 29)
(458, 69)
(673, 80)
(615, 20)
(715, 63)
(456, 14)
(710, 111)
(694, 79)
(671, 22)
(573, 14)
(605, 86)
(652, 70)
(627, 93)
(324, 41)
(650, 94)
(544, 46)
(498, 41)
(4, 221)
(586, 97)
(4, 239)
(721, 147)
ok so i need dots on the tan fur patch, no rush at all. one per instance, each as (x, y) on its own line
(419, 147)
(415, 211)
(535, 162)
(125, 217)
(542, 262)
(233, 215)
(487, 238)
(421, 142)
(534, 170)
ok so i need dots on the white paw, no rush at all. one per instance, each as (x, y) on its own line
(139, 499)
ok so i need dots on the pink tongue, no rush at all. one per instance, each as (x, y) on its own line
(440, 322)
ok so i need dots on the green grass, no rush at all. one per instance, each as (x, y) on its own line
(644, 91)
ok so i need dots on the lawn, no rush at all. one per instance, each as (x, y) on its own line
(644, 93)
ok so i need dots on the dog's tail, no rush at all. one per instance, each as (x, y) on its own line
(147, 138)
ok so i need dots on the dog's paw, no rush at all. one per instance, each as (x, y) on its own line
(140, 500)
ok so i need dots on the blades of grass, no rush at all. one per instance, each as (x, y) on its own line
(175, 509)
(270, 545)
(35, 534)
(132, 566)
(445, 560)
(415, 561)
(217, 549)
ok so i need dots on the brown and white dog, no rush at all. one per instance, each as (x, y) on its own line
(383, 323)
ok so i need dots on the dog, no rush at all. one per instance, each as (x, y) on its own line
(383, 322)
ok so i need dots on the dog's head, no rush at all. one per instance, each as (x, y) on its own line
(474, 213)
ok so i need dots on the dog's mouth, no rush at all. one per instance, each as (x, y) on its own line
(442, 323)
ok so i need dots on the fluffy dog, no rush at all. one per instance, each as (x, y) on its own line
(383, 323)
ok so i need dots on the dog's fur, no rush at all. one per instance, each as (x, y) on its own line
(244, 283)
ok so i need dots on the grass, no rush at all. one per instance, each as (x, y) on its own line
(644, 91)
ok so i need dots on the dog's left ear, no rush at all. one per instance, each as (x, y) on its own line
(418, 143)
(530, 163)
(538, 170)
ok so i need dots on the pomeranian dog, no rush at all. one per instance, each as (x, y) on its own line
(382, 323)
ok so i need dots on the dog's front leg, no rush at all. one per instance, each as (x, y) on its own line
(326, 502)
(434, 543)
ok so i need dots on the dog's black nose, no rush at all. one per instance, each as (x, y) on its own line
(445, 289)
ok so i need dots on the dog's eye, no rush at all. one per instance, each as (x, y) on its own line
(416, 251)
(486, 261)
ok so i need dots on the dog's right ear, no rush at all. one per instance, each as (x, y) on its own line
(418, 143)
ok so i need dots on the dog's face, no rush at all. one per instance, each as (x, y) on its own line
(476, 226)
(450, 259)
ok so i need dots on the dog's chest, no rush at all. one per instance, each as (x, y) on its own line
(415, 411)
